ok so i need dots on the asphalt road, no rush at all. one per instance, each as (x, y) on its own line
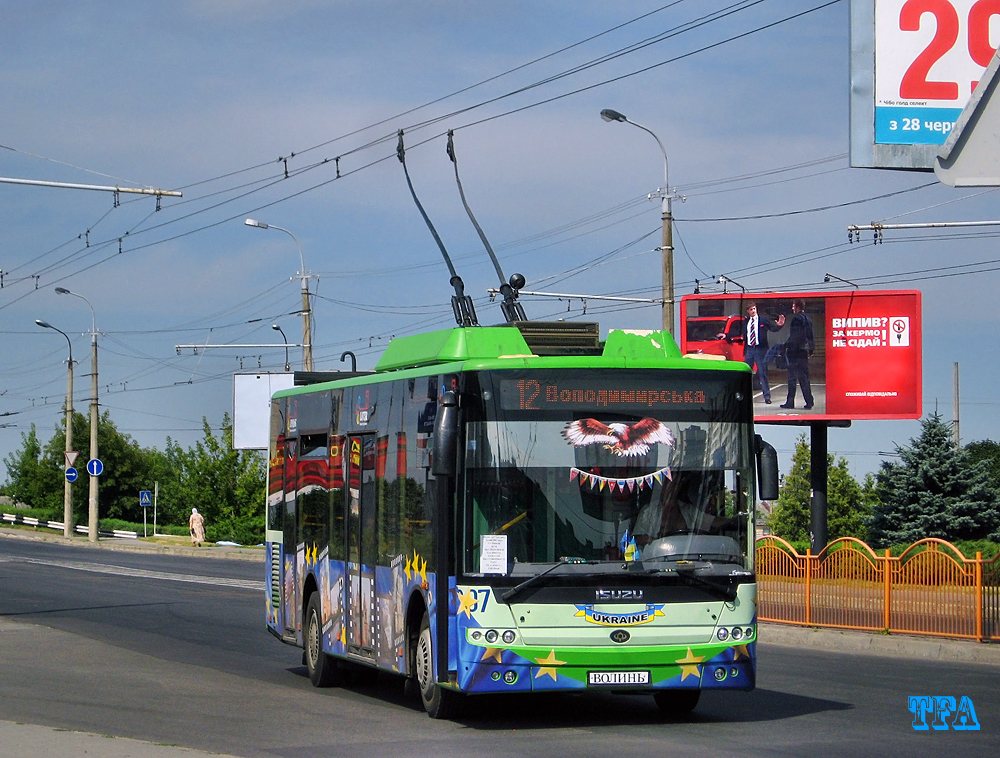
(171, 650)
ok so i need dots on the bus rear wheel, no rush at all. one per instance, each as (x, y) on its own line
(676, 702)
(438, 702)
(323, 670)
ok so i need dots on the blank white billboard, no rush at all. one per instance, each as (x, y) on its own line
(252, 407)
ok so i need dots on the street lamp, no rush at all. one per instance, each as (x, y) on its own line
(668, 234)
(307, 359)
(94, 416)
(279, 329)
(67, 486)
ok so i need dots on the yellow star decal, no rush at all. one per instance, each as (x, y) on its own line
(493, 652)
(465, 603)
(689, 665)
(548, 665)
(740, 651)
(408, 568)
(422, 570)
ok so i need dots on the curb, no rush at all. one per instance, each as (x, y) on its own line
(127, 545)
(885, 645)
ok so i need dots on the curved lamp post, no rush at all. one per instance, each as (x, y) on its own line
(307, 359)
(67, 487)
(279, 329)
(94, 415)
(665, 211)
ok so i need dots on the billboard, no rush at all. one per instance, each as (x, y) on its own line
(914, 66)
(848, 355)
(252, 407)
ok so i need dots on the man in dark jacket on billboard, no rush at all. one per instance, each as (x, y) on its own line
(799, 346)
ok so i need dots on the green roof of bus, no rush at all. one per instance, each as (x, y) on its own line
(503, 347)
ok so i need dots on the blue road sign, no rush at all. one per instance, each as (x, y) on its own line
(95, 467)
(71, 474)
(145, 498)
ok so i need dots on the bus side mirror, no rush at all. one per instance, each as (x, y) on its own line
(767, 470)
(445, 447)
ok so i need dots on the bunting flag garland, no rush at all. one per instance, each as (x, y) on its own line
(615, 484)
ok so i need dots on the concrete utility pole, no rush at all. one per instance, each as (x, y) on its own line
(666, 216)
(955, 410)
(93, 510)
(307, 357)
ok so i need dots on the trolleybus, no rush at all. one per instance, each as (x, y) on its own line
(521, 508)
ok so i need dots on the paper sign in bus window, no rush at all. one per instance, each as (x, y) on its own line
(493, 559)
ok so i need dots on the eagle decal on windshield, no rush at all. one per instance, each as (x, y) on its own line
(624, 440)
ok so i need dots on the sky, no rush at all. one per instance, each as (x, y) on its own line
(288, 113)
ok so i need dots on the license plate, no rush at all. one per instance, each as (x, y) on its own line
(617, 678)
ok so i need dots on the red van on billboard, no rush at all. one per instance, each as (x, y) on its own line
(703, 332)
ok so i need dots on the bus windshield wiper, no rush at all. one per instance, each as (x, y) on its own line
(506, 597)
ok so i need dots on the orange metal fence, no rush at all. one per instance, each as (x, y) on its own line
(930, 589)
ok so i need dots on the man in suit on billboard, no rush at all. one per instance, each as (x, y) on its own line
(755, 329)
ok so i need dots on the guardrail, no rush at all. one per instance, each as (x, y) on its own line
(14, 518)
(931, 588)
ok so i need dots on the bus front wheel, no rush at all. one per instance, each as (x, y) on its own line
(438, 702)
(323, 670)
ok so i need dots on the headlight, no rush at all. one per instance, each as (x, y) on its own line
(491, 636)
(737, 633)
(722, 634)
(508, 636)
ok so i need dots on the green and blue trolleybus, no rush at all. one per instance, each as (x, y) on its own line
(521, 508)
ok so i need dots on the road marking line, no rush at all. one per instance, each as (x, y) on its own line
(101, 568)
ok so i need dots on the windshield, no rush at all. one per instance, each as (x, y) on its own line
(705, 330)
(557, 477)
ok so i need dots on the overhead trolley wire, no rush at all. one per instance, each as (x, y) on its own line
(689, 25)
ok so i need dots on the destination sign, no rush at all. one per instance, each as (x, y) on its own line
(595, 395)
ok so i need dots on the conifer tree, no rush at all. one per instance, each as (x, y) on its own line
(790, 518)
(934, 491)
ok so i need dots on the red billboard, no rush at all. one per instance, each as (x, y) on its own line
(831, 356)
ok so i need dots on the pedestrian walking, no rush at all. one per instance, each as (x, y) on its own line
(196, 524)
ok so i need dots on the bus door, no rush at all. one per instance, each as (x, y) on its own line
(361, 541)
(289, 527)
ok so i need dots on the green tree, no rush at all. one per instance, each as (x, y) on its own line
(227, 486)
(790, 518)
(126, 470)
(986, 451)
(935, 491)
(846, 501)
(31, 478)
